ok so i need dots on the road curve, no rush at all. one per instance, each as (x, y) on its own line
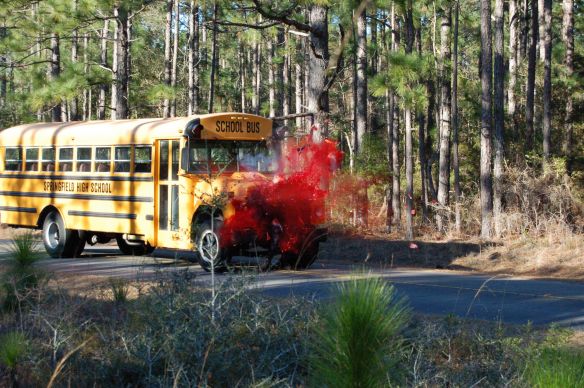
(435, 292)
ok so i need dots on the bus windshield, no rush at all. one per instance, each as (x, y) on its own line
(230, 156)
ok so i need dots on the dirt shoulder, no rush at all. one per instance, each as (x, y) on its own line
(560, 257)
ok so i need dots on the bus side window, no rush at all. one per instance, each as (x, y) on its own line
(66, 159)
(84, 159)
(142, 159)
(32, 159)
(103, 159)
(13, 159)
(48, 159)
(122, 162)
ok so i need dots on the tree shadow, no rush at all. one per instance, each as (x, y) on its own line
(398, 253)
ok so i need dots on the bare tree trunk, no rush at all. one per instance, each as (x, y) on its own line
(121, 73)
(499, 115)
(86, 92)
(486, 83)
(193, 59)
(56, 112)
(541, 34)
(409, 176)
(455, 162)
(524, 38)
(284, 75)
(530, 89)
(75, 59)
(174, 55)
(568, 39)
(389, 191)
(257, 57)
(3, 66)
(103, 62)
(214, 49)
(114, 89)
(547, 80)
(168, 54)
(298, 85)
(271, 77)
(242, 67)
(396, 190)
(445, 116)
(514, 23)
(317, 95)
(361, 82)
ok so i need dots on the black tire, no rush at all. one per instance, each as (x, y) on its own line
(301, 260)
(58, 241)
(210, 252)
(133, 248)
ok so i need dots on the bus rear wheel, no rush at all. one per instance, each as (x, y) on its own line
(134, 248)
(58, 241)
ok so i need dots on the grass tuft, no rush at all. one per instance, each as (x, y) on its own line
(13, 346)
(120, 290)
(359, 337)
(556, 367)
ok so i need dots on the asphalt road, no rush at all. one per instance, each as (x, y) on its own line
(434, 292)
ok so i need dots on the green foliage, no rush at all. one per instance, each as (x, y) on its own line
(24, 250)
(556, 368)
(120, 290)
(359, 336)
(13, 346)
(371, 162)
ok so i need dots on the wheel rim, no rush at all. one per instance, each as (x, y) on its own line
(52, 235)
(209, 247)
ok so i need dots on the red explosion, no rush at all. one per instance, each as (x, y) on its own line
(293, 203)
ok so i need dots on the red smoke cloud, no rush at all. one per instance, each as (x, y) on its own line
(292, 203)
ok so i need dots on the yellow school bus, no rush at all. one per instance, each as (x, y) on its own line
(146, 183)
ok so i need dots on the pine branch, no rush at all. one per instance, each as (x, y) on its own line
(282, 17)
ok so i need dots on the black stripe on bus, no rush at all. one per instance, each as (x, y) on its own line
(149, 217)
(117, 198)
(80, 177)
(18, 209)
(103, 215)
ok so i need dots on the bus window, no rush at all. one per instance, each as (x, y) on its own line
(66, 159)
(122, 162)
(13, 159)
(48, 159)
(198, 157)
(84, 159)
(175, 159)
(143, 159)
(103, 159)
(32, 159)
(164, 156)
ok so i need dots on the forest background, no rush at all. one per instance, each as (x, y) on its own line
(456, 117)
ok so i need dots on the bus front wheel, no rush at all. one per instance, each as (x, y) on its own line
(58, 241)
(211, 255)
(139, 248)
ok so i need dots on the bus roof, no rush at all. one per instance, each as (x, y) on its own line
(108, 132)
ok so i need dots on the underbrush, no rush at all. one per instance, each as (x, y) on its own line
(171, 332)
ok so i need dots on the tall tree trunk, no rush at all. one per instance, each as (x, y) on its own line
(214, 49)
(114, 89)
(514, 24)
(499, 115)
(409, 176)
(455, 161)
(389, 191)
(530, 88)
(122, 76)
(103, 62)
(271, 77)
(193, 59)
(486, 84)
(75, 59)
(541, 34)
(284, 75)
(257, 57)
(547, 80)
(3, 71)
(298, 84)
(87, 91)
(524, 38)
(168, 54)
(56, 112)
(430, 125)
(361, 82)
(445, 116)
(568, 39)
(317, 95)
(242, 67)
(174, 55)
(396, 190)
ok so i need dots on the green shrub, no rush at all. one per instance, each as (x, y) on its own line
(556, 367)
(12, 347)
(120, 290)
(358, 343)
(24, 250)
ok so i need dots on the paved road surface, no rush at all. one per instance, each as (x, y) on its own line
(510, 300)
